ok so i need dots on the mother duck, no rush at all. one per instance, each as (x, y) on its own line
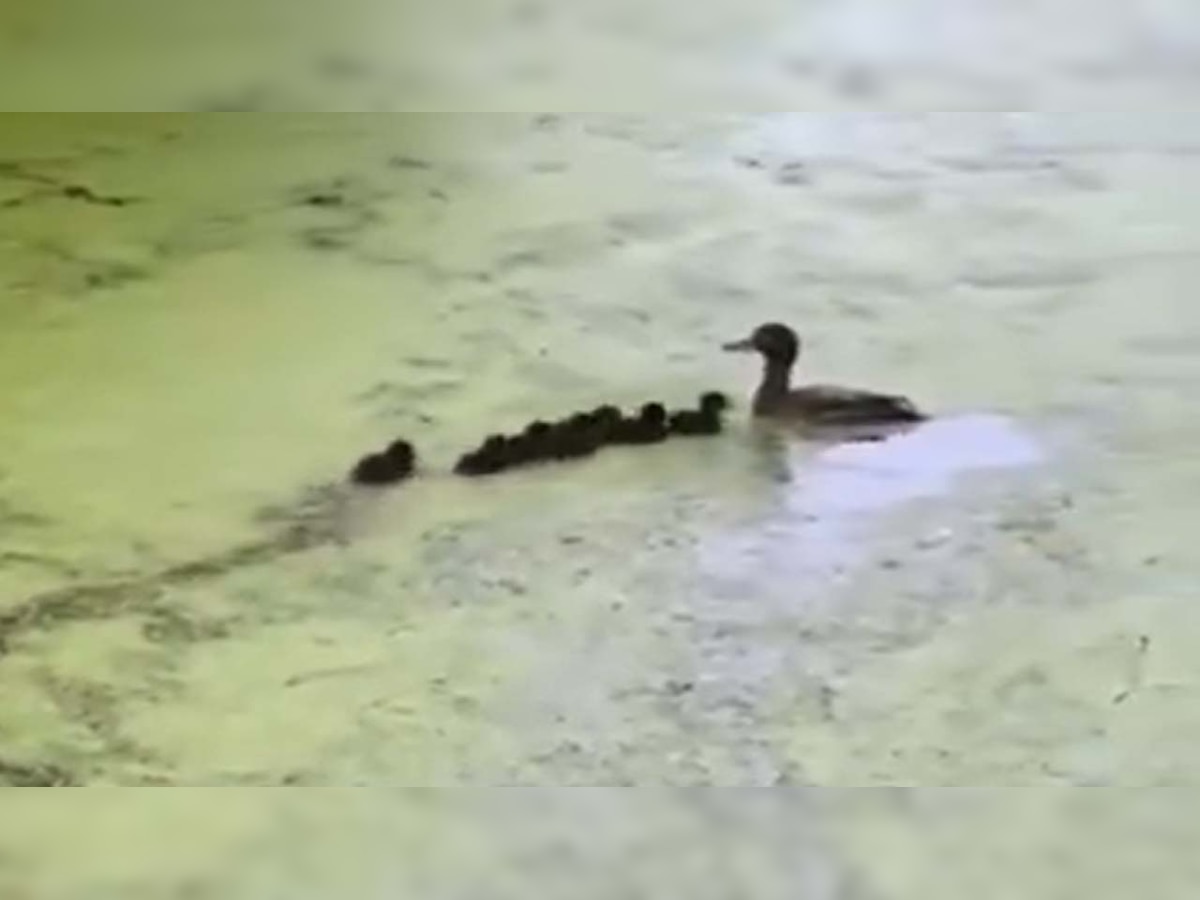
(815, 404)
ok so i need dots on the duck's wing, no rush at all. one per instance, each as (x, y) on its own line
(825, 404)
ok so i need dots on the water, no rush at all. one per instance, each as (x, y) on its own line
(191, 597)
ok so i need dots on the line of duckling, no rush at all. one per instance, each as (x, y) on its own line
(579, 435)
(584, 433)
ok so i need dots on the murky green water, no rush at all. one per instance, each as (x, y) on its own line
(192, 351)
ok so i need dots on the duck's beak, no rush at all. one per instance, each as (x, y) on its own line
(743, 346)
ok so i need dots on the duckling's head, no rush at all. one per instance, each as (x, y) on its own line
(713, 403)
(494, 444)
(606, 414)
(774, 341)
(606, 420)
(653, 414)
(537, 429)
(579, 422)
(401, 453)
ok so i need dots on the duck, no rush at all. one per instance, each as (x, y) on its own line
(393, 465)
(816, 404)
(649, 426)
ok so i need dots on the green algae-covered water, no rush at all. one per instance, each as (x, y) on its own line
(205, 317)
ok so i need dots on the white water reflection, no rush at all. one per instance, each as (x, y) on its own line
(832, 499)
(925, 462)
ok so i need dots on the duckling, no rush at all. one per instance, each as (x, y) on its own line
(478, 463)
(606, 418)
(704, 420)
(402, 455)
(481, 461)
(648, 427)
(714, 402)
(574, 437)
(488, 458)
(578, 422)
(538, 442)
(695, 422)
(518, 450)
(378, 469)
(598, 423)
(817, 405)
(537, 430)
(654, 413)
(493, 442)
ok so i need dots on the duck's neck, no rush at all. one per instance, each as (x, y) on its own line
(775, 387)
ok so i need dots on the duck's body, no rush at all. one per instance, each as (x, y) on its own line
(819, 405)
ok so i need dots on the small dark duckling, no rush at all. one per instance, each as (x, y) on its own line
(491, 457)
(389, 467)
(520, 449)
(538, 442)
(648, 427)
(704, 420)
(537, 430)
(401, 453)
(694, 423)
(714, 402)
(606, 419)
(817, 404)
(575, 437)
(478, 463)
(578, 422)
(598, 424)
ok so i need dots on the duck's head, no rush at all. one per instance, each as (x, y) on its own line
(774, 342)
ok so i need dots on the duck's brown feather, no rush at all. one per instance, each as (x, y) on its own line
(822, 404)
